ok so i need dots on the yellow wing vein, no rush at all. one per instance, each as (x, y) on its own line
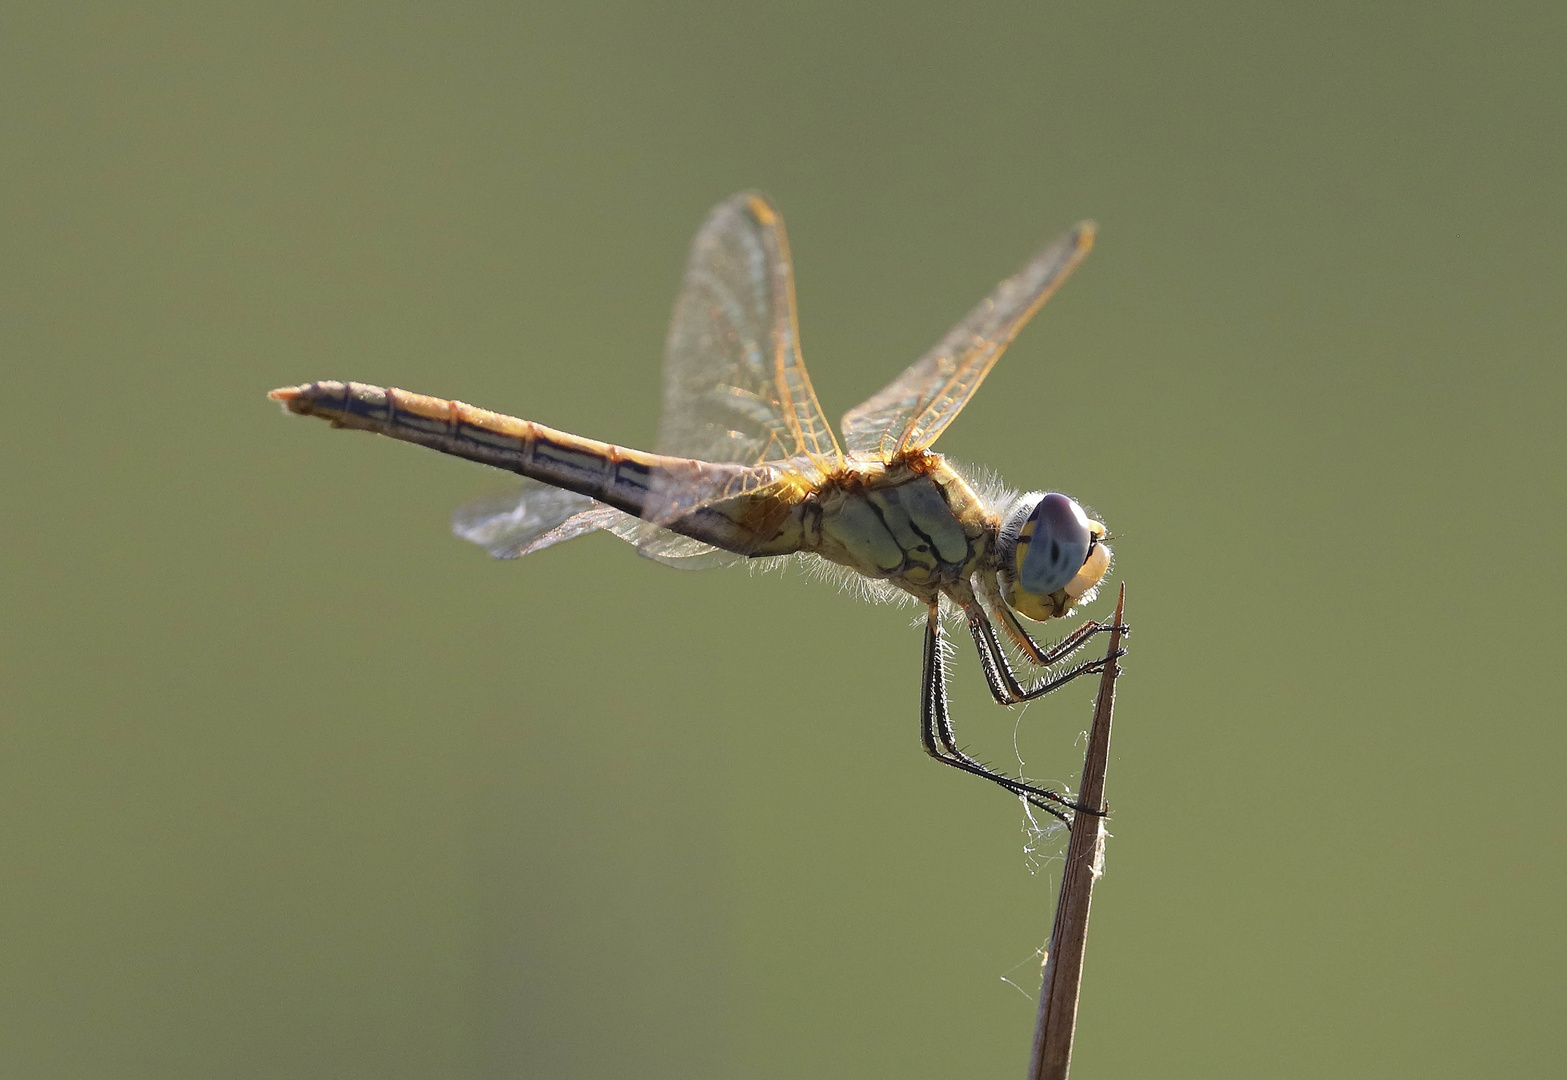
(928, 395)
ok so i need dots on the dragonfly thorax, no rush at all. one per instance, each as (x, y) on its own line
(1050, 552)
(920, 527)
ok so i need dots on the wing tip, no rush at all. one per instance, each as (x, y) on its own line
(761, 207)
(1084, 233)
(749, 202)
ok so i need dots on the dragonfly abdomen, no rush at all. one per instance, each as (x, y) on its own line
(614, 475)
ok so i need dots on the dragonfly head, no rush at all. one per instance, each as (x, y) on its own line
(1052, 554)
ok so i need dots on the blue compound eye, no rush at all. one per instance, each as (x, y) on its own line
(1057, 539)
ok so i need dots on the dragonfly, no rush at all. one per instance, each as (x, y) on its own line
(747, 468)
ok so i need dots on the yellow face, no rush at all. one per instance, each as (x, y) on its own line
(1052, 555)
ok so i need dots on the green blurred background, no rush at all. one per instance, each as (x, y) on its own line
(293, 784)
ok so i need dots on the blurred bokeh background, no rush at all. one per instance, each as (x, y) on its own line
(293, 784)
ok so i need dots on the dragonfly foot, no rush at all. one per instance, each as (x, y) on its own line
(1096, 667)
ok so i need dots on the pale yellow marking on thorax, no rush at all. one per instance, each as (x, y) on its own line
(915, 523)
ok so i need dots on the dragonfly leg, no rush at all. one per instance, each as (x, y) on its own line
(999, 675)
(941, 743)
(1036, 653)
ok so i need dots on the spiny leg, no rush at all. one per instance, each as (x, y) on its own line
(999, 675)
(940, 742)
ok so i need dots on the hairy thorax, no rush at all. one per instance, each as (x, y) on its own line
(914, 523)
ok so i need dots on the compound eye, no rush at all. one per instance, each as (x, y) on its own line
(1058, 539)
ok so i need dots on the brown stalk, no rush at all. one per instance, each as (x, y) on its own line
(1052, 1053)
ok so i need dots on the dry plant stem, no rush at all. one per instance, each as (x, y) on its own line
(1052, 1056)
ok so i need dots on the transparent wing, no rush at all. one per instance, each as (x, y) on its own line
(735, 388)
(669, 548)
(912, 410)
(512, 524)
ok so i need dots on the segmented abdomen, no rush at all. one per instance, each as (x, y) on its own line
(614, 475)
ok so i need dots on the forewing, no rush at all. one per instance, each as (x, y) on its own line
(735, 387)
(912, 410)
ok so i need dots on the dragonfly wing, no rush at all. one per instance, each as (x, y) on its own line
(515, 523)
(735, 387)
(912, 410)
(669, 548)
(512, 524)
